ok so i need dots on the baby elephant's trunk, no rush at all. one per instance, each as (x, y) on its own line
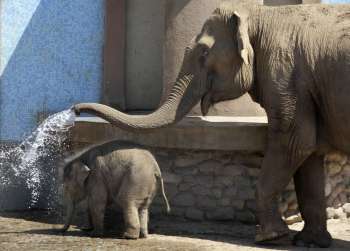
(163, 193)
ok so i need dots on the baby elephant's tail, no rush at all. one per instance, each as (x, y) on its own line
(163, 193)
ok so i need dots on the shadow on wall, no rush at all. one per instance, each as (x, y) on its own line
(54, 59)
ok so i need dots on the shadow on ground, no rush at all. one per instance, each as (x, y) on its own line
(234, 233)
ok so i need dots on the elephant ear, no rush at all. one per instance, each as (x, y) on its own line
(243, 44)
(81, 173)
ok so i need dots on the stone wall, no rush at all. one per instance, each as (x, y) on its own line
(220, 185)
(211, 166)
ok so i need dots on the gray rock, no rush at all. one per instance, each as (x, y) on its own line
(177, 211)
(336, 157)
(339, 213)
(216, 193)
(245, 193)
(230, 170)
(194, 214)
(333, 168)
(184, 199)
(186, 161)
(245, 217)
(226, 213)
(205, 181)
(188, 170)
(230, 192)
(346, 208)
(224, 202)
(223, 180)
(328, 189)
(293, 219)
(204, 202)
(254, 172)
(200, 190)
(237, 204)
(209, 167)
(185, 186)
(171, 178)
(330, 213)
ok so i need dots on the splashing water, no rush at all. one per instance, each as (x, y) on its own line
(33, 160)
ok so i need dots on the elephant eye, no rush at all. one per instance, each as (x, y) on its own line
(203, 56)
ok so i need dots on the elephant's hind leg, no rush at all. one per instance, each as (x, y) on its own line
(309, 185)
(143, 212)
(131, 220)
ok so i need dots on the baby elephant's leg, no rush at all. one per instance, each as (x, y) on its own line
(131, 220)
(143, 212)
(97, 205)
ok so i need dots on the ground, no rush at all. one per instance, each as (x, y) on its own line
(36, 231)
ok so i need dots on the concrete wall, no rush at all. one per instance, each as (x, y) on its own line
(144, 53)
(50, 58)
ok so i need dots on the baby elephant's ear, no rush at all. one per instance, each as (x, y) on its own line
(82, 173)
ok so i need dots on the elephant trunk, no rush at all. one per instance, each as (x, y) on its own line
(182, 98)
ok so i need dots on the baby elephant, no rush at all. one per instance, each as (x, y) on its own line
(116, 172)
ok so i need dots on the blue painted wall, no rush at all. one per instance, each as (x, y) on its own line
(51, 57)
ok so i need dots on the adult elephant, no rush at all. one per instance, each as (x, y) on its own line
(295, 62)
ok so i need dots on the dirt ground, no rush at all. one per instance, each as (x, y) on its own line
(36, 231)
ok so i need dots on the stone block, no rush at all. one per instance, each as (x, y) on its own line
(185, 187)
(224, 213)
(336, 157)
(177, 211)
(253, 172)
(339, 213)
(171, 178)
(245, 217)
(223, 181)
(205, 181)
(194, 214)
(224, 202)
(184, 199)
(204, 202)
(215, 193)
(293, 219)
(346, 208)
(333, 168)
(188, 170)
(187, 161)
(237, 204)
(200, 190)
(209, 167)
(230, 170)
(170, 190)
(245, 193)
(230, 192)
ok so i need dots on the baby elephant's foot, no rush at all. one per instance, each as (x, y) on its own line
(143, 233)
(131, 234)
(305, 238)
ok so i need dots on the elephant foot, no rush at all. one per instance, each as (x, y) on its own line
(143, 234)
(265, 236)
(131, 233)
(305, 238)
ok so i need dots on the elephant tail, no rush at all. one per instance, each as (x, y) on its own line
(163, 193)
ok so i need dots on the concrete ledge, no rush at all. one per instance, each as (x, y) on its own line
(202, 133)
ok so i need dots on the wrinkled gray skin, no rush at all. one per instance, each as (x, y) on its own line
(295, 62)
(116, 172)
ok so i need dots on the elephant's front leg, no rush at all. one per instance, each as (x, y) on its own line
(309, 183)
(277, 170)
